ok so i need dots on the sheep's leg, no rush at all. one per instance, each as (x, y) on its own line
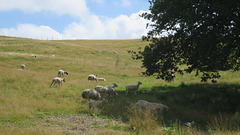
(51, 83)
(126, 92)
(135, 92)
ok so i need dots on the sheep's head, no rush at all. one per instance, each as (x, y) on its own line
(63, 79)
(139, 83)
(66, 73)
(115, 85)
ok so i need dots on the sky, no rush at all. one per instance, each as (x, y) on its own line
(73, 19)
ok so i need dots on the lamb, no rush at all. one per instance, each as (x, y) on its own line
(91, 94)
(22, 66)
(61, 73)
(97, 104)
(107, 90)
(112, 86)
(133, 88)
(92, 78)
(155, 107)
(101, 79)
(57, 80)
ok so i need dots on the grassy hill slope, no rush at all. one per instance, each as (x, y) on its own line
(29, 106)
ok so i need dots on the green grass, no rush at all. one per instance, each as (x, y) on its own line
(28, 105)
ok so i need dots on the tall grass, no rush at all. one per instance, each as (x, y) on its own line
(27, 101)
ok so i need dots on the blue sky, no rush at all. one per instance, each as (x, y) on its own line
(73, 19)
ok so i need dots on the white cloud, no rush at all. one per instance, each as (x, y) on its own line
(32, 31)
(121, 27)
(89, 26)
(76, 8)
(98, 1)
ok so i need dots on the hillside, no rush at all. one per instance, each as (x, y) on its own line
(28, 105)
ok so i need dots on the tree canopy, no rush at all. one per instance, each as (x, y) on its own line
(203, 35)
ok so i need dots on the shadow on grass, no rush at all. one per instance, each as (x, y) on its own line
(193, 102)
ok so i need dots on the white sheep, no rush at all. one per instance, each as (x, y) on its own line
(101, 89)
(22, 66)
(91, 94)
(133, 88)
(61, 73)
(57, 80)
(92, 78)
(112, 92)
(101, 79)
(106, 90)
(34, 56)
(97, 104)
(112, 86)
(157, 108)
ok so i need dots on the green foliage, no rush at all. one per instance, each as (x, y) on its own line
(204, 35)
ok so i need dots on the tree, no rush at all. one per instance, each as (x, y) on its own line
(202, 34)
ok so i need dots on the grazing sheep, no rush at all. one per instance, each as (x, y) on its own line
(101, 79)
(112, 86)
(57, 80)
(112, 92)
(34, 56)
(101, 89)
(22, 66)
(107, 90)
(115, 52)
(91, 94)
(97, 104)
(157, 108)
(61, 73)
(92, 78)
(133, 88)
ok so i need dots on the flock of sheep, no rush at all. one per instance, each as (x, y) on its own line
(109, 90)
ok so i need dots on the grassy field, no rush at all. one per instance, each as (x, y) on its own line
(29, 106)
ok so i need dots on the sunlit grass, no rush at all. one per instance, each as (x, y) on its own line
(27, 101)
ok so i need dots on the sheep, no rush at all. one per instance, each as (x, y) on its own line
(101, 89)
(91, 94)
(107, 90)
(92, 78)
(34, 56)
(157, 108)
(101, 79)
(133, 88)
(57, 80)
(97, 104)
(112, 86)
(112, 92)
(22, 66)
(61, 73)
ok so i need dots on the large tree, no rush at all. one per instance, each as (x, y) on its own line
(203, 35)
